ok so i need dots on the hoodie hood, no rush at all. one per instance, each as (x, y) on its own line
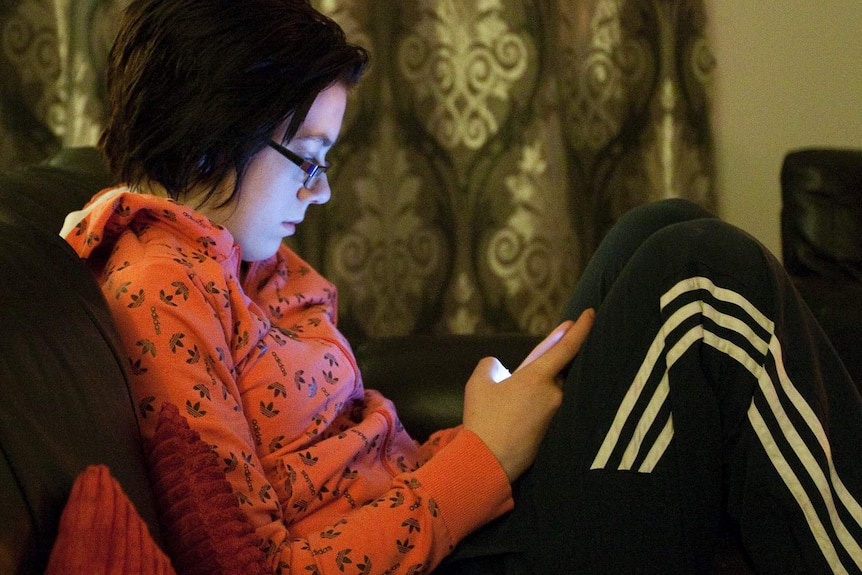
(97, 226)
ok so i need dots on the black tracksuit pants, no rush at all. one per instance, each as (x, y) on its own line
(706, 398)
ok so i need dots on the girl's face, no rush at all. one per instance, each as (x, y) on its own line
(272, 199)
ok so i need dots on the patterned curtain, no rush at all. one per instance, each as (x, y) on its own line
(483, 157)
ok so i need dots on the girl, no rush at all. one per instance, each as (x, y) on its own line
(703, 393)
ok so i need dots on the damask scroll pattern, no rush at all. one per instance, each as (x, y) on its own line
(681, 163)
(380, 243)
(600, 66)
(673, 154)
(58, 50)
(352, 16)
(391, 259)
(632, 129)
(627, 81)
(528, 252)
(469, 65)
(461, 59)
(30, 44)
(30, 50)
(87, 38)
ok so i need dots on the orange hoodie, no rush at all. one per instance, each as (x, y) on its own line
(322, 468)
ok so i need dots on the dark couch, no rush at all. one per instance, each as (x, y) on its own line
(821, 234)
(64, 401)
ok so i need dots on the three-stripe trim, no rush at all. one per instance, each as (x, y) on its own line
(698, 310)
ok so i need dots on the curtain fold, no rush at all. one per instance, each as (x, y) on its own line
(488, 150)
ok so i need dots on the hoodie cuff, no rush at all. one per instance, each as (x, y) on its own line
(467, 483)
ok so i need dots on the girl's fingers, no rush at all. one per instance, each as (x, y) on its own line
(561, 345)
(547, 343)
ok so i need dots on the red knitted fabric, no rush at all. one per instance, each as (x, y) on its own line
(206, 530)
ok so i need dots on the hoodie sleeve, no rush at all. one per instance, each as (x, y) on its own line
(179, 325)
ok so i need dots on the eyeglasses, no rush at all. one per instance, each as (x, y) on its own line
(312, 170)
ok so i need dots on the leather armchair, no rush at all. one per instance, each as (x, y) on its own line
(821, 234)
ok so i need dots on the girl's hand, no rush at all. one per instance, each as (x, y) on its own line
(511, 414)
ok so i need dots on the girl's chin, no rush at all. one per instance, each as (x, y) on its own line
(259, 252)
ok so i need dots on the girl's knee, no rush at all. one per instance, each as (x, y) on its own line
(705, 233)
(637, 225)
(711, 242)
(662, 213)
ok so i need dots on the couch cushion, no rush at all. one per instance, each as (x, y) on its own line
(64, 403)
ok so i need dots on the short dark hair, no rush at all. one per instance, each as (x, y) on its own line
(197, 87)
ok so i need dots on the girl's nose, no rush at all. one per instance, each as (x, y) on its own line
(319, 193)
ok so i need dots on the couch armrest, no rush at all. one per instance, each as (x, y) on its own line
(43, 194)
(64, 400)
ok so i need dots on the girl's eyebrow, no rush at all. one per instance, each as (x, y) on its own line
(322, 138)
